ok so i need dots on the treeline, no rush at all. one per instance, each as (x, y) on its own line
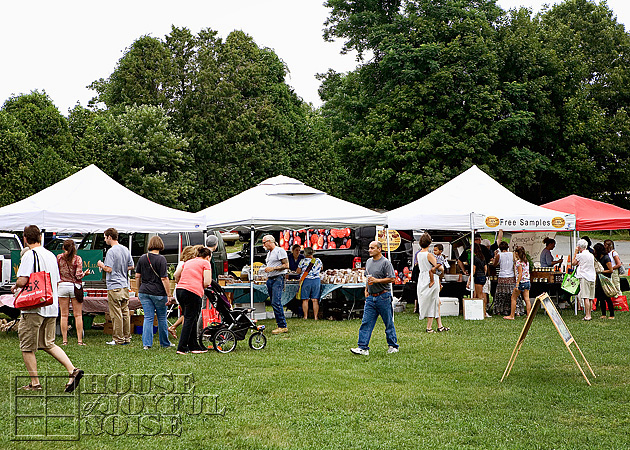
(539, 102)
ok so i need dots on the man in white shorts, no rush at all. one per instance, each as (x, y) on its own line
(585, 262)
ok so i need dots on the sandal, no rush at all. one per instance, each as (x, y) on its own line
(64, 343)
(171, 331)
(81, 343)
(430, 330)
(31, 387)
(443, 329)
(75, 377)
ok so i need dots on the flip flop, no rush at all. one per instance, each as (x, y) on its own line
(441, 329)
(172, 333)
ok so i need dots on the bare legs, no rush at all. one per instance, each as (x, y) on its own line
(315, 304)
(31, 362)
(515, 294)
(77, 312)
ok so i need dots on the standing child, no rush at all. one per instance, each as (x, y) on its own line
(522, 281)
(440, 259)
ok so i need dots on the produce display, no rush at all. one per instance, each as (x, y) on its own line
(343, 276)
(318, 239)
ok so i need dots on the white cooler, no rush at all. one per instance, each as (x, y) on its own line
(450, 306)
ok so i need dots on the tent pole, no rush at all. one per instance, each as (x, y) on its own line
(179, 248)
(389, 257)
(472, 259)
(251, 269)
(575, 234)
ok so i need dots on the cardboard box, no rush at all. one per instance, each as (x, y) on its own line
(473, 309)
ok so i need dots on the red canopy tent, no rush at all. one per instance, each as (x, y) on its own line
(592, 215)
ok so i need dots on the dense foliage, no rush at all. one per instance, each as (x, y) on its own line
(540, 102)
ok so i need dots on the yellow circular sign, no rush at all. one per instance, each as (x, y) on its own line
(492, 221)
(394, 239)
(557, 222)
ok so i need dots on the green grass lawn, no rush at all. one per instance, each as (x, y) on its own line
(305, 390)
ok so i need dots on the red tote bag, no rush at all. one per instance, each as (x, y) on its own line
(38, 291)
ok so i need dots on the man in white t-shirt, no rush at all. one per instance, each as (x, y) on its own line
(585, 262)
(37, 326)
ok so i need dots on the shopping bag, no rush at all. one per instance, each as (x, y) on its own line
(209, 314)
(570, 283)
(608, 287)
(38, 291)
(620, 303)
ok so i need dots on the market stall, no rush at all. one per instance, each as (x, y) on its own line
(282, 203)
(473, 202)
(591, 215)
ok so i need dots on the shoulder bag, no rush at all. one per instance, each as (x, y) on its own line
(38, 291)
(78, 287)
(303, 277)
(607, 286)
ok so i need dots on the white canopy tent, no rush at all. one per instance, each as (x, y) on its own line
(475, 201)
(66, 206)
(281, 203)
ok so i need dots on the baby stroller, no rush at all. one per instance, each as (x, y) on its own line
(233, 326)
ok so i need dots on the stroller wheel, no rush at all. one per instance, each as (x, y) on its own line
(224, 341)
(257, 341)
(206, 338)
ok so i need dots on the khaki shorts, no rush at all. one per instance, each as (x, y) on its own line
(587, 289)
(36, 332)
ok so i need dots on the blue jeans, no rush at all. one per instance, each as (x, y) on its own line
(275, 287)
(154, 304)
(375, 306)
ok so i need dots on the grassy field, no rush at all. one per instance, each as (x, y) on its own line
(305, 390)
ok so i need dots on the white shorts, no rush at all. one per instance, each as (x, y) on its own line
(65, 289)
(486, 287)
(587, 289)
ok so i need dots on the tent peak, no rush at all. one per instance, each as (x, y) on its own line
(279, 180)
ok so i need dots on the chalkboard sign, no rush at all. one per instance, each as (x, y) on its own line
(561, 327)
(555, 317)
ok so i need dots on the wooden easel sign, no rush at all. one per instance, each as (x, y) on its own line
(544, 300)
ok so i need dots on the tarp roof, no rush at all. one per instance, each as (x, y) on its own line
(474, 200)
(91, 201)
(592, 215)
(286, 203)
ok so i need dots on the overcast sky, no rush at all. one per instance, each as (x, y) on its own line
(62, 46)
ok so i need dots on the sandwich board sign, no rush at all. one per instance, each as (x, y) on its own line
(544, 300)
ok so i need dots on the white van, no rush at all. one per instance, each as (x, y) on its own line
(8, 242)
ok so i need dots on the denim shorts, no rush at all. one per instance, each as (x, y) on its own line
(480, 280)
(524, 285)
(310, 288)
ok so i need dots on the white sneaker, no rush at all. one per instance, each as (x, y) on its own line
(392, 349)
(111, 343)
(360, 351)
(146, 347)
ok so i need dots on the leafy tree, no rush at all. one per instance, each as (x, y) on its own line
(35, 145)
(426, 105)
(230, 102)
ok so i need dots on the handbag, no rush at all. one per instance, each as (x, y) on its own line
(38, 291)
(570, 283)
(608, 287)
(78, 288)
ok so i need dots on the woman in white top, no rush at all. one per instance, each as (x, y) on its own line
(585, 262)
(506, 281)
(428, 286)
(615, 260)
